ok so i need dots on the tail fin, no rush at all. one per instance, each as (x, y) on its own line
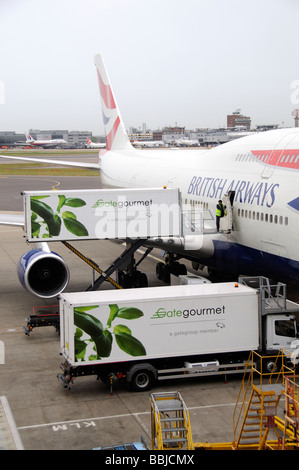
(88, 140)
(29, 137)
(116, 134)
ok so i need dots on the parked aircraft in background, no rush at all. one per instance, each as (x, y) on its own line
(44, 143)
(148, 143)
(256, 175)
(187, 143)
(97, 145)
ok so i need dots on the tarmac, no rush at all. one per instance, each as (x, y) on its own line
(49, 417)
(90, 414)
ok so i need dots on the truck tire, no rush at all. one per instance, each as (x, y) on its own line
(142, 380)
(271, 365)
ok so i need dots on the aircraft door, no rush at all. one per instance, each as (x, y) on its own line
(226, 222)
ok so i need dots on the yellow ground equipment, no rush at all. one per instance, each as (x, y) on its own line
(170, 422)
(291, 419)
(256, 421)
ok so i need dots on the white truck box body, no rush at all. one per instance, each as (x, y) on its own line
(103, 214)
(177, 320)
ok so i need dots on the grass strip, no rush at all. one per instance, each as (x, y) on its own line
(43, 169)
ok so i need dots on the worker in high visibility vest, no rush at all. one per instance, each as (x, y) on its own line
(220, 212)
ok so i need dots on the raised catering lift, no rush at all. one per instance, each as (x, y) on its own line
(189, 222)
(162, 219)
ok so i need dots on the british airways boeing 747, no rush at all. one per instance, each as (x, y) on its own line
(257, 174)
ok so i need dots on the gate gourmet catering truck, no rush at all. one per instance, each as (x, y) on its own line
(148, 334)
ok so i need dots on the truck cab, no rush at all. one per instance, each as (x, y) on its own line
(280, 331)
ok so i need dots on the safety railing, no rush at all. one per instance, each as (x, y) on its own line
(175, 431)
(197, 221)
(272, 296)
(262, 373)
(291, 415)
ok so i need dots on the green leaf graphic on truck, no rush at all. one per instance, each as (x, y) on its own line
(43, 216)
(102, 338)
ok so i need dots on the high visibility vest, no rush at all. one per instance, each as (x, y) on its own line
(220, 210)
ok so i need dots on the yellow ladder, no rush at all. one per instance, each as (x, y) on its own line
(291, 416)
(259, 417)
(170, 422)
(255, 413)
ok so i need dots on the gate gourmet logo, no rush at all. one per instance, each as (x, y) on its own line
(136, 218)
(188, 313)
(121, 203)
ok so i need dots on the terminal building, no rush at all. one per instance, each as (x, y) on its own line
(11, 138)
(38, 134)
(238, 126)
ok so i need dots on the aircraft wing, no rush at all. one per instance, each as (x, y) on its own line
(90, 166)
(18, 219)
(7, 218)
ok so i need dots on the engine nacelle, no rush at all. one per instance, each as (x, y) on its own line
(43, 274)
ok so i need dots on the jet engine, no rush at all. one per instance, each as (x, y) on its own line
(43, 273)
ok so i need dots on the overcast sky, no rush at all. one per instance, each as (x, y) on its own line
(171, 62)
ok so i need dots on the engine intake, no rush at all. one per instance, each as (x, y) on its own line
(44, 274)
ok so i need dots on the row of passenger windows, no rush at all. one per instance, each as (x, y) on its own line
(248, 157)
(246, 213)
(197, 204)
(254, 215)
(245, 157)
(290, 158)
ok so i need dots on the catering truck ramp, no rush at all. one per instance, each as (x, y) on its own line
(167, 332)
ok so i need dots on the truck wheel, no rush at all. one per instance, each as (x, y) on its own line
(271, 366)
(142, 380)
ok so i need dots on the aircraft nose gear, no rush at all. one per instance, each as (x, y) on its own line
(171, 266)
(131, 276)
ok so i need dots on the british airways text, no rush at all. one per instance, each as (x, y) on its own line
(260, 193)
